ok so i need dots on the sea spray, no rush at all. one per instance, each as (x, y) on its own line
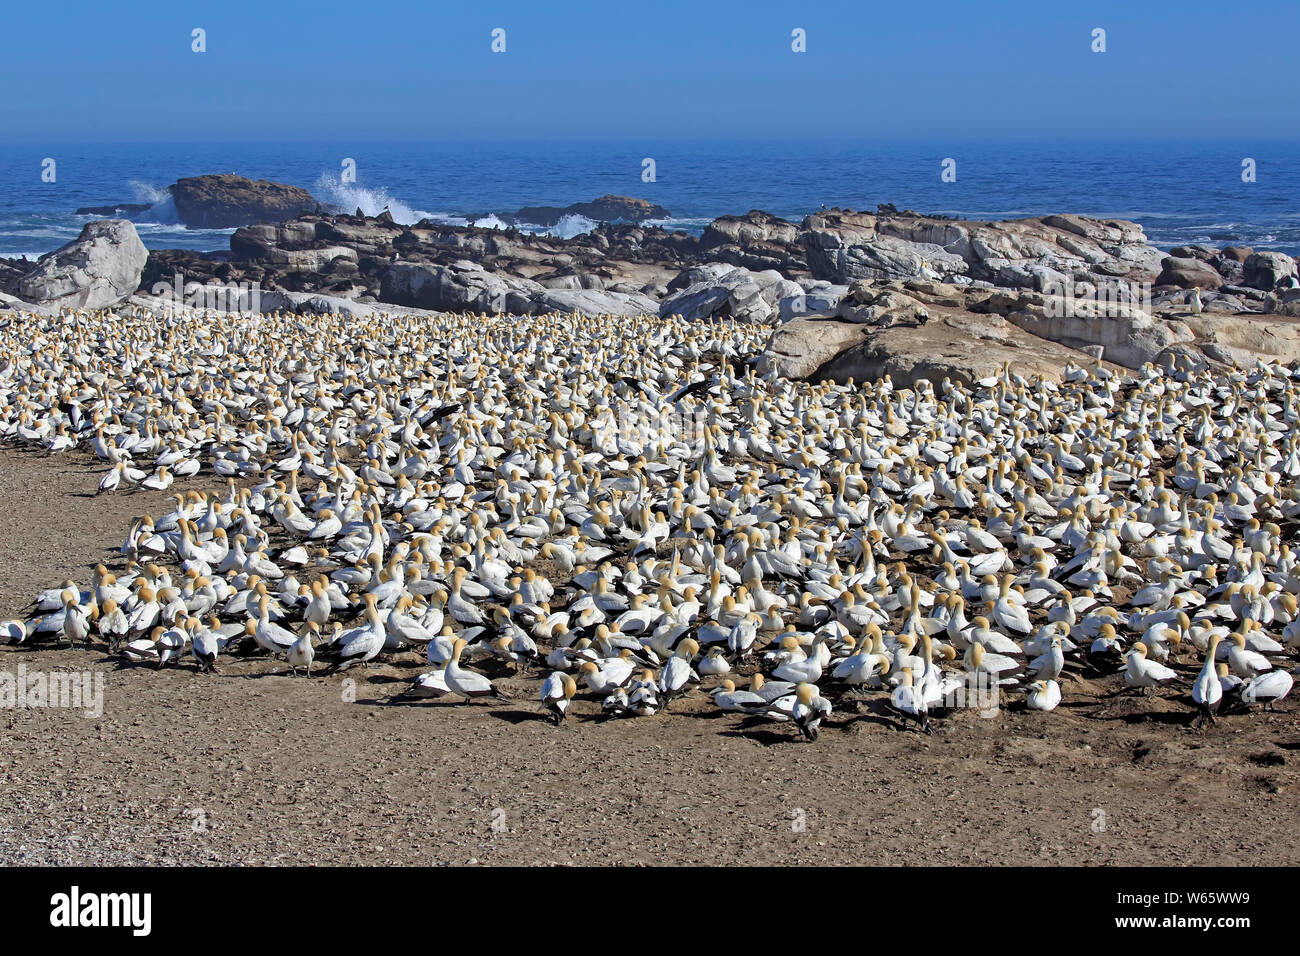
(350, 196)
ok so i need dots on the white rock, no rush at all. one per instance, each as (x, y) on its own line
(101, 267)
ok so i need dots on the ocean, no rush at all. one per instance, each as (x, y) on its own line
(1180, 192)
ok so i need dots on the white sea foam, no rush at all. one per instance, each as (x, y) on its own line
(448, 219)
(570, 226)
(162, 212)
(490, 221)
(44, 232)
(370, 200)
(145, 192)
(161, 207)
(687, 223)
(178, 230)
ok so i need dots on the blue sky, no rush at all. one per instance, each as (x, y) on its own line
(423, 71)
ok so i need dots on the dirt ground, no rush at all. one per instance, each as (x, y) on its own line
(253, 766)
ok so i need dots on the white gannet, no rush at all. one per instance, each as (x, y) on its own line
(678, 675)
(1267, 689)
(1043, 695)
(910, 702)
(303, 650)
(467, 683)
(557, 691)
(1207, 691)
(1142, 673)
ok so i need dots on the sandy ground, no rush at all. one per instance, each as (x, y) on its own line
(253, 766)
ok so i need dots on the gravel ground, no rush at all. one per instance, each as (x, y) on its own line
(253, 766)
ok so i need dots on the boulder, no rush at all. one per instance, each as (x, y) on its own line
(1264, 270)
(460, 287)
(707, 272)
(1232, 270)
(100, 267)
(561, 282)
(593, 302)
(1130, 340)
(1246, 293)
(755, 241)
(1204, 253)
(1188, 273)
(1245, 339)
(960, 347)
(754, 227)
(737, 293)
(701, 300)
(882, 257)
(225, 201)
(311, 260)
(892, 258)
(815, 298)
(304, 302)
(843, 245)
(804, 344)
(1219, 302)
(866, 304)
(117, 211)
(604, 209)
(466, 287)
(1286, 302)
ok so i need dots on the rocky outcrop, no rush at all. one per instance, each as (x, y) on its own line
(867, 304)
(1127, 340)
(1189, 273)
(1268, 270)
(100, 267)
(11, 303)
(800, 347)
(916, 295)
(722, 291)
(115, 212)
(843, 245)
(593, 302)
(833, 247)
(226, 201)
(1244, 339)
(461, 287)
(312, 260)
(928, 329)
(465, 286)
(752, 228)
(755, 241)
(960, 347)
(604, 209)
(818, 296)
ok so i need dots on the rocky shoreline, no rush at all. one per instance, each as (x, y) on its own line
(849, 294)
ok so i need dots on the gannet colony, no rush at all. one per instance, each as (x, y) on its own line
(627, 510)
